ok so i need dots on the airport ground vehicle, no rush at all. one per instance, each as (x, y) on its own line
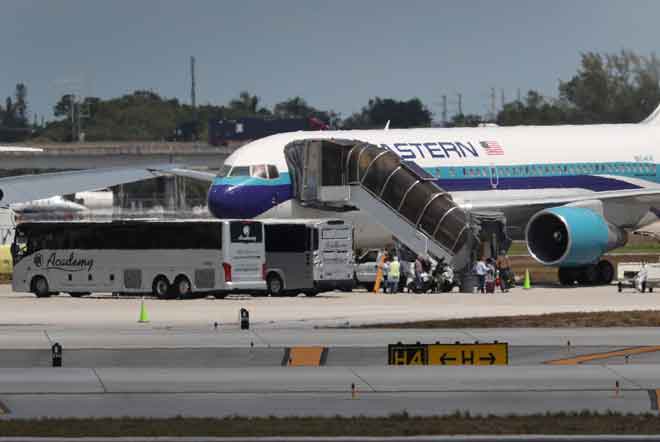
(308, 256)
(626, 273)
(169, 259)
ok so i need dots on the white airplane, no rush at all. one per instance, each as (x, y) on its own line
(100, 202)
(573, 192)
(20, 149)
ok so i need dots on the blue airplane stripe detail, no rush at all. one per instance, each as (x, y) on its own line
(283, 179)
(588, 182)
(595, 183)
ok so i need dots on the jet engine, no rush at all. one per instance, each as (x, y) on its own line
(571, 236)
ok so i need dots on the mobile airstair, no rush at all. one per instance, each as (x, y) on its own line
(348, 174)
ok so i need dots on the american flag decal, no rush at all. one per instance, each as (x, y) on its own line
(492, 147)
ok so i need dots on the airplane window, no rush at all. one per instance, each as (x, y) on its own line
(273, 172)
(224, 171)
(259, 171)
(239, 171)
(464, 172)
(452, 172)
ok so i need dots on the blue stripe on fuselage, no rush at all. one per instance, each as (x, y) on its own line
(248, 197)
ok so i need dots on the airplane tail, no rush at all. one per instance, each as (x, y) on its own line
(654, 118)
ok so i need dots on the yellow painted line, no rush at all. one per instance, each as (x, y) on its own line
(305, 356)
(606, 355)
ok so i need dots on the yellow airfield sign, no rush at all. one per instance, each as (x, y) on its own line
(496, 353)
(468, 354)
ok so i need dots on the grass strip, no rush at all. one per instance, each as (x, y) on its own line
(401, 424)
(633, 318)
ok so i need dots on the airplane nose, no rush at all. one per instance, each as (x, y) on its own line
(237, 201)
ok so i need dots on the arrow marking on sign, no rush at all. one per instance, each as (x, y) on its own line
(491, 358)
(444, 359)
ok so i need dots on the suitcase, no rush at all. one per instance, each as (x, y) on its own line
(490, 286)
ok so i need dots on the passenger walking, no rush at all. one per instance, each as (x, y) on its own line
(480, 269)
(394, 274)
(419, 268)
(504, 267)
(490, 276)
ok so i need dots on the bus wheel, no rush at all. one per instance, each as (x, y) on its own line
(161, 287)
(182, 287)
(78, 294)
(275, 285)
(40, 287)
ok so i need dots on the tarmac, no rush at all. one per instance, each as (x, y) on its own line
(180, 363)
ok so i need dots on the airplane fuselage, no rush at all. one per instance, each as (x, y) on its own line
(516, 170)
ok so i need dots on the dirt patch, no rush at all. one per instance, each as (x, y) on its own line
(633, 318)
(401, 424)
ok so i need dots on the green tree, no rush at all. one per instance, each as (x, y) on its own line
(469, 120)
(246, 105)
(297, 107)
(613, 88)
(400, 114)
(21, 106)
(536, 109)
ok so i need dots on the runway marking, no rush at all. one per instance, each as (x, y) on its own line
(605, 355)
(304, 356)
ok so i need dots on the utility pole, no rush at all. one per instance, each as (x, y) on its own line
(460, 104)
(193, 98)
(493, 104)
(444, 110)
(502, 99)
(72, 115)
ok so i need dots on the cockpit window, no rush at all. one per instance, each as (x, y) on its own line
(239, 171)
(273, 172)
(259, 171)
(224, 171)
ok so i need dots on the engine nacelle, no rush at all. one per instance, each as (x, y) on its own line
(571, 236)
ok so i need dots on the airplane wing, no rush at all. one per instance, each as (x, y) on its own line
(33, 187)
(648, 195)
(195, 174)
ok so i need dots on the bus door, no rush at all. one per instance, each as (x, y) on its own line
(335, 246)
(244, 253)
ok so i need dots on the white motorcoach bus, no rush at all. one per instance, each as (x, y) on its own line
(308, 256)
(170, 259)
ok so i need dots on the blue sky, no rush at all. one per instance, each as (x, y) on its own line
(336, 54)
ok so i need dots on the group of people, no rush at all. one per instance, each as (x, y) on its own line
(493, 273)
(394, 276)
(391, 273)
